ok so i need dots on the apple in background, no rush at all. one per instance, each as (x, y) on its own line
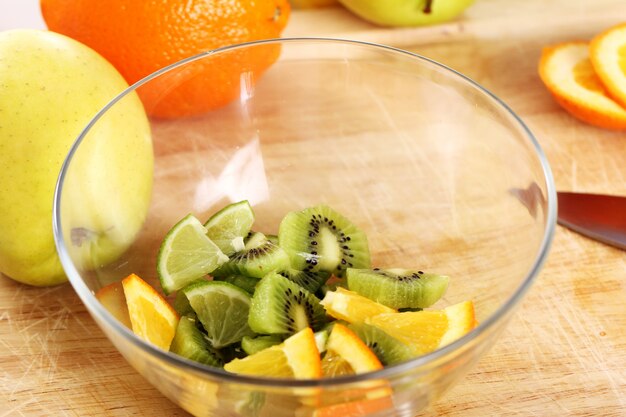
(50, 88)
(407, 12)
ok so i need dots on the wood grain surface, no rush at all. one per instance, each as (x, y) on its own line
(564, 353)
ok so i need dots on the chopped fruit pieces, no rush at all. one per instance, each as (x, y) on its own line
(297, 357)
(151, 317)
(347, 305)
(347, 354)
(113, 299)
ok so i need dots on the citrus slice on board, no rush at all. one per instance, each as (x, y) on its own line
(347, 305)
(346, 354)
(427, 330)
(607, 52)
(567, 72)
(151, 317)
(186, 254)
(297, 357)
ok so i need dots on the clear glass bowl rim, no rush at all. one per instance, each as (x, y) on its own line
(89, 299)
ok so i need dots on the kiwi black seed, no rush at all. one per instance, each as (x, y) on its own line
(280, 306)
(387, 348)
(309, 280)
(257, 259)
(398, 288)
(321, 239)
(191, 343)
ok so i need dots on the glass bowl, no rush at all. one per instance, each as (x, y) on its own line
(440, 174)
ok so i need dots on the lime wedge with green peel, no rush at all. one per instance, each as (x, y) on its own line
(186, 254)
(223, 309)
(229, 226)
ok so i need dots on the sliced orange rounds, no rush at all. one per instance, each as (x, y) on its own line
(608, 56)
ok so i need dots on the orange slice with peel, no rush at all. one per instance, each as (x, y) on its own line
(347, 305)
(151, 316)
(567, 72)
(297, 357)
(427, 330)
(607, 52)
(113, 299)
(346, 354)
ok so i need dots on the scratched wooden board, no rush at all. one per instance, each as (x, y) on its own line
(564, 353)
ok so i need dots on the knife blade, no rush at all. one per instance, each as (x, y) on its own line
(598, 216)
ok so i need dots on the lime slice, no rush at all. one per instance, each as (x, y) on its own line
(222, 308)
(186, 254)
(230, 225)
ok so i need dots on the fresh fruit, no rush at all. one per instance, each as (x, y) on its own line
(311, 281)
(112, 298)
(297, 357)
(228, 227)
(311, 4)
(258, 258)
(190, 343)
(425, 331)
(252, 345)
(245, 283)
(349, 306)
(139, 38)
(398, 288)
(151, 317)
(280, 306)
(569, 75)
(222, 308)
(387, 349)
(608, 57)
(346, 354)
(321, 338)
(50, 88)
(186, 254)
(320, 239)
(407, 12)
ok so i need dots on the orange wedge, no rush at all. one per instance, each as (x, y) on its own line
(567, 72)
(427, 330)
(347, 305)
(151, 317)
(297, 357)
(113, 299)
(346, 354)
(607, 52)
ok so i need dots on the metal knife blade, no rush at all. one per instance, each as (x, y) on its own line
(598, 216)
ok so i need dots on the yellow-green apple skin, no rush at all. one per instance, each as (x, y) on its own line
(50, 88)
(407, 12)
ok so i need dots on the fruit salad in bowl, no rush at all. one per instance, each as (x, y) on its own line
(339, 239)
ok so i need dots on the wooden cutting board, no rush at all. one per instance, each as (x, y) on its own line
(564, 353)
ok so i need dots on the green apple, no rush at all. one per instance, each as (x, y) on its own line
(50, 88)
(407, 12)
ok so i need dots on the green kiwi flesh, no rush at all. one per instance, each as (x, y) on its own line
(252, 345)
(321, 239)
(388, 349)
(280, 306)
(398, 288)
(311, 281)
(257, 259)
(191, 343)
(245, 283)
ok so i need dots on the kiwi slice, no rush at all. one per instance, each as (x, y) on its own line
(191, 343)
(398, 288)
(252, 345)
(246, 283)
(258, 257)
(320, 239)
(311, 281)
(280, 306)
(388, 349)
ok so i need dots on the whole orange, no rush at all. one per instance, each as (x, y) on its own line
(141, 36)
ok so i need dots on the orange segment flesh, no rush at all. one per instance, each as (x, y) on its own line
(113, 299)
(347, 305)
(347, 352)
(297, 357)
(607, 52)
(151, 317)
(568, 74)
